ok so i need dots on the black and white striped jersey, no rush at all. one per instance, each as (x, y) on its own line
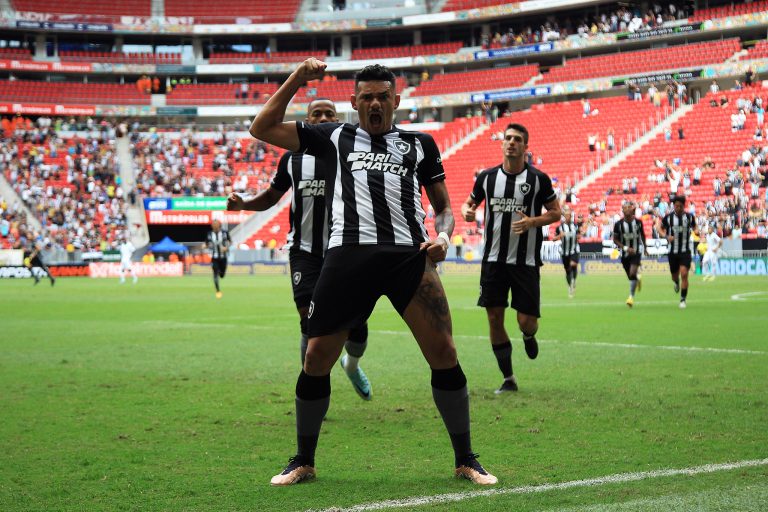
(569, 242)
(630, 234)
(506, 196)
(305, 174)
(216, 242)
(681, 228)
(373, 183)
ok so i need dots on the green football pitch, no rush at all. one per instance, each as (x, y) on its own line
(160, 397)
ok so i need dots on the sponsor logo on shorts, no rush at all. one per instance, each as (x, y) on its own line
(311, 309)
(296, 278)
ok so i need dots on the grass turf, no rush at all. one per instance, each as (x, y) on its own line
(160, 397)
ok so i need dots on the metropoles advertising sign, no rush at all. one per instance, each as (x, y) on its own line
(190, 211)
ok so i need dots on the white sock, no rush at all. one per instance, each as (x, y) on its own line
(351, 365)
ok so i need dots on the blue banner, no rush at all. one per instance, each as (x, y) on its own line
(157, 203)
(514, 51)
(66, 25)
(512, 94)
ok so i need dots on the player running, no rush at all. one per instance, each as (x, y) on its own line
(218, 242)
(678, 227)
(33, 260)
(514, 193)
(308, 238)
(629, 236)
(568, 233)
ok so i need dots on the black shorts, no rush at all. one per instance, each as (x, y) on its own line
(679, 260)
(628, 261)
(354, 277)
(498, 279)
(219, 266)
(567, 260)
(305, 270)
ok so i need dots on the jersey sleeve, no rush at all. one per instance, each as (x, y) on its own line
(430, 169)
(282, 179)
(559, 229)
(315, 139)
(478, 191)
(546, 192)
(665, 223)
(617, 231)
(641, 231)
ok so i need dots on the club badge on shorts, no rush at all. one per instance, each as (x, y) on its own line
(296, 278)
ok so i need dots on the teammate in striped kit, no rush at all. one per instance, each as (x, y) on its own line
(628, 234)
(308, 238)
(218, 243)
(514, 193)
(568, 233)
(378, 245)
(678, 227)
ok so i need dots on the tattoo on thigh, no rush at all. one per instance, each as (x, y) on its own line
(431, 296)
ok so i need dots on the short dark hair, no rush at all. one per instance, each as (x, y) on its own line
(315, 100)
(678, 199)
(375, 72)
(518, 128)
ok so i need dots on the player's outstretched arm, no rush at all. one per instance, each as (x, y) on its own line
(258, 203)
(268, 125)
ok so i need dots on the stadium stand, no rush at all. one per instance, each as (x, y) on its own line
(759, 51)
(482, 80)
(72, 92)
(461, 5)
(87, 8)
(263, 11)
(247, 58)
(219, 94)
(119, 58)
(212, 167)
(68, 182)
(15, 53)
(387, 52)
(562, 156)
(673, 57)
(708, 135)
(734, 9)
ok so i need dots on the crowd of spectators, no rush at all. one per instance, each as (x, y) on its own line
(604, 21)
(72, 186)
(194, 165)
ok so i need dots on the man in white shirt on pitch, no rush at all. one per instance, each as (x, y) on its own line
(712, 255)
(126, 253)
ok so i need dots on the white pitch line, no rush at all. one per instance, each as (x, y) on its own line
(745, 296)
(606, 344)
(575, 303)
(535, 489)
(668, 347)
